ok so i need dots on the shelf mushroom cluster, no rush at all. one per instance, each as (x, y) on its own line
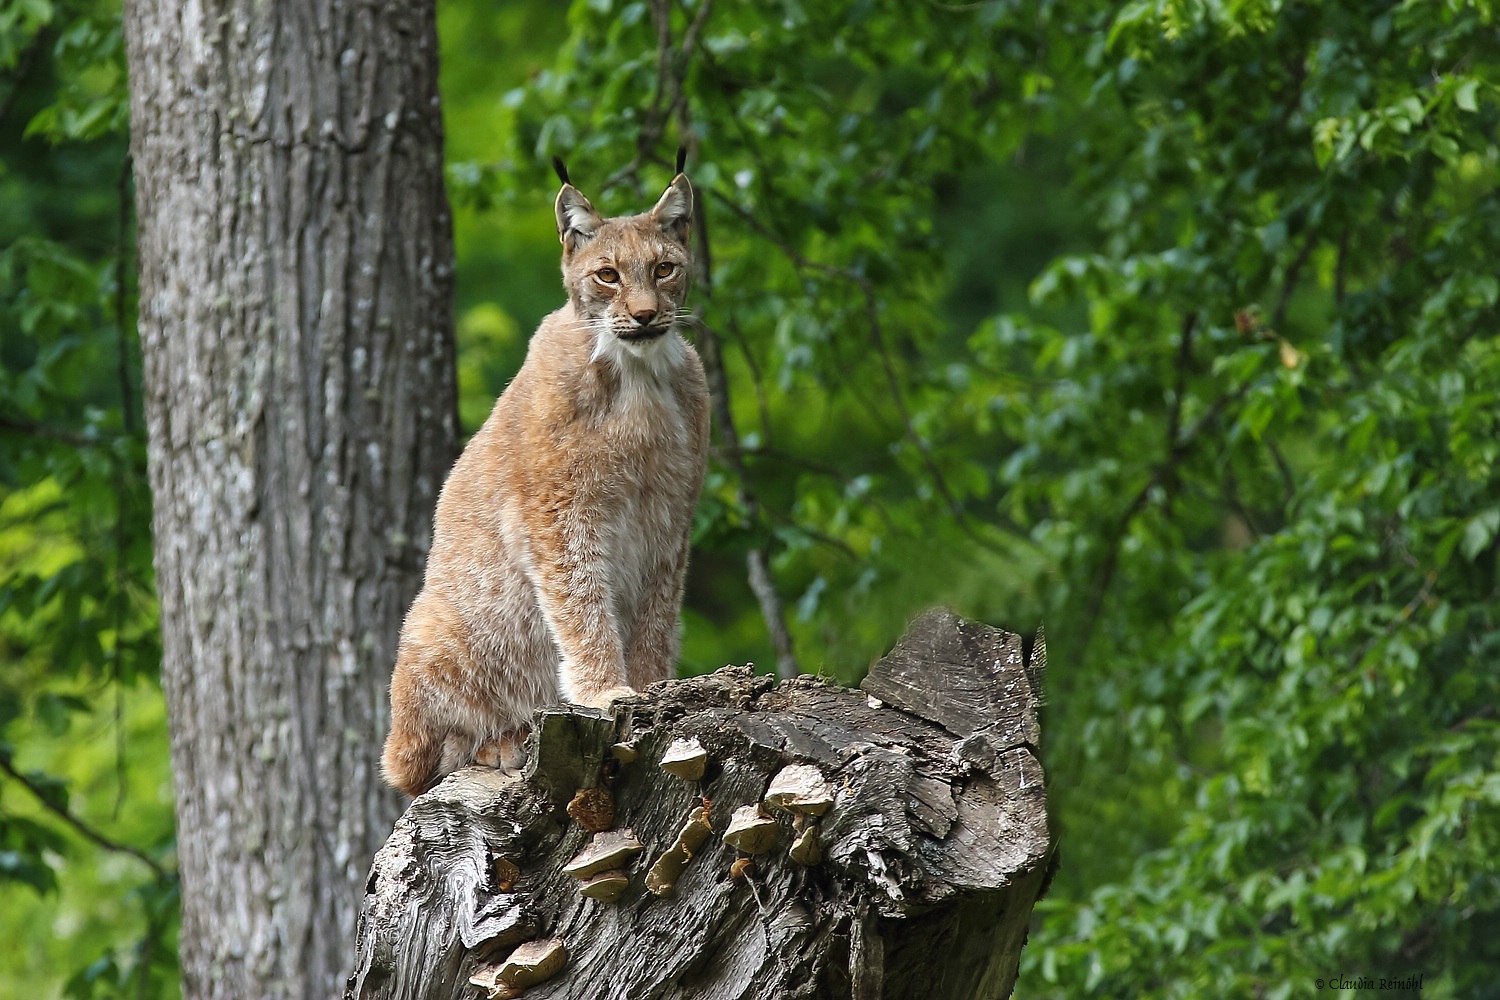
(602, 866)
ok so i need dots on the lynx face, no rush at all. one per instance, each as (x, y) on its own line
(627, 276)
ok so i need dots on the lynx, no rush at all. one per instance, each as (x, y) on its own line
(560, 542)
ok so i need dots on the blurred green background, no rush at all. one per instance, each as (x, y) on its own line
(1171, 323)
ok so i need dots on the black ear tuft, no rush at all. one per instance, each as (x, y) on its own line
(562, 171)
(681, 159)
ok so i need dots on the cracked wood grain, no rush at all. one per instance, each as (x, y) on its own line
(933, 855)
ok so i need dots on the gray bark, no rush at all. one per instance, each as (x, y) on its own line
(935, 850)
(296, 260)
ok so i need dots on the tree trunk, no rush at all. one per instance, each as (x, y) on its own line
(296, 261)
(933, 852)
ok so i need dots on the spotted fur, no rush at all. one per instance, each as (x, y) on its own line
(560, 543)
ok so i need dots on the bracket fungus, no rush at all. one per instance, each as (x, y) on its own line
(800, 789)
(610, 849)
(685, 758)
(607, 886)
(806, 850)
(751, 830)
(696, 830)
(593, 809)
(531, 963)
(662, 878)
(507, 874)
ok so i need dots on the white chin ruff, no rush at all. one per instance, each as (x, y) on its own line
(648, 359)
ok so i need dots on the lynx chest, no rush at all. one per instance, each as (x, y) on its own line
(652, 475)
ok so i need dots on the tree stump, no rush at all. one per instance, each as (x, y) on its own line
(915, 811)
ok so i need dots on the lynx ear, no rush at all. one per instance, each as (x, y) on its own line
(577, 222)
(674, 211)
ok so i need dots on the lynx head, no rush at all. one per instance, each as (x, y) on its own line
(627, 276)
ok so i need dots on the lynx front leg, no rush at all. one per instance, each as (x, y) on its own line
(569, 572)
(657, 638)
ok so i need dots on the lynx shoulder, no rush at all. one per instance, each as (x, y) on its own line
(560, 543)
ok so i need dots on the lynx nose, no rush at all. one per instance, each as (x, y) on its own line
(643, 317)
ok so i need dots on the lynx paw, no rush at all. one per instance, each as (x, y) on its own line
(609, 696)
(506, 752)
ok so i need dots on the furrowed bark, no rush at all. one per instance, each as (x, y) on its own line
(933, 852)
(296, 262)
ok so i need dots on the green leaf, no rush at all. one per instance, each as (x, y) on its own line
(1479, 532)
(1464, 95)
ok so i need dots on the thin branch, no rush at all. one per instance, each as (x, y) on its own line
(143, 962)
(772, 611)
(1212, 413)
(59, 434)
(661, 17)
(693, 32)
(667, 100)
(118, 720)
(1184, 365)
(703, 257)
(1486, 711)
(122, 493)
(23, 70)
(1104, 576)
(1236, 503)
(832, 472)
(762, 404)
(1339, 268)
(877, 338)
(1162, 474)
(1289, 284)
(651, 127)
(867, 291)
(811, 465)
(761, 584)
(1429, 580)
(1039, 58)
(1288, 481)
(821, 537)
(787, 250)
(82, 828)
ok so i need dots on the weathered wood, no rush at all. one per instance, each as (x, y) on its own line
(932, 855)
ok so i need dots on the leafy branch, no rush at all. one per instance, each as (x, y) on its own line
(61, 435)
(871, 308)
(757, 559)
(48, 794)
(669, 100)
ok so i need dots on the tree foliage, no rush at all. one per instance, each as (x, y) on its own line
(1295, 278)
(1172, 323)
(85, 811)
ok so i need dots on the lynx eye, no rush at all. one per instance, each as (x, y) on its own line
(608, 275)
(665, 269)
